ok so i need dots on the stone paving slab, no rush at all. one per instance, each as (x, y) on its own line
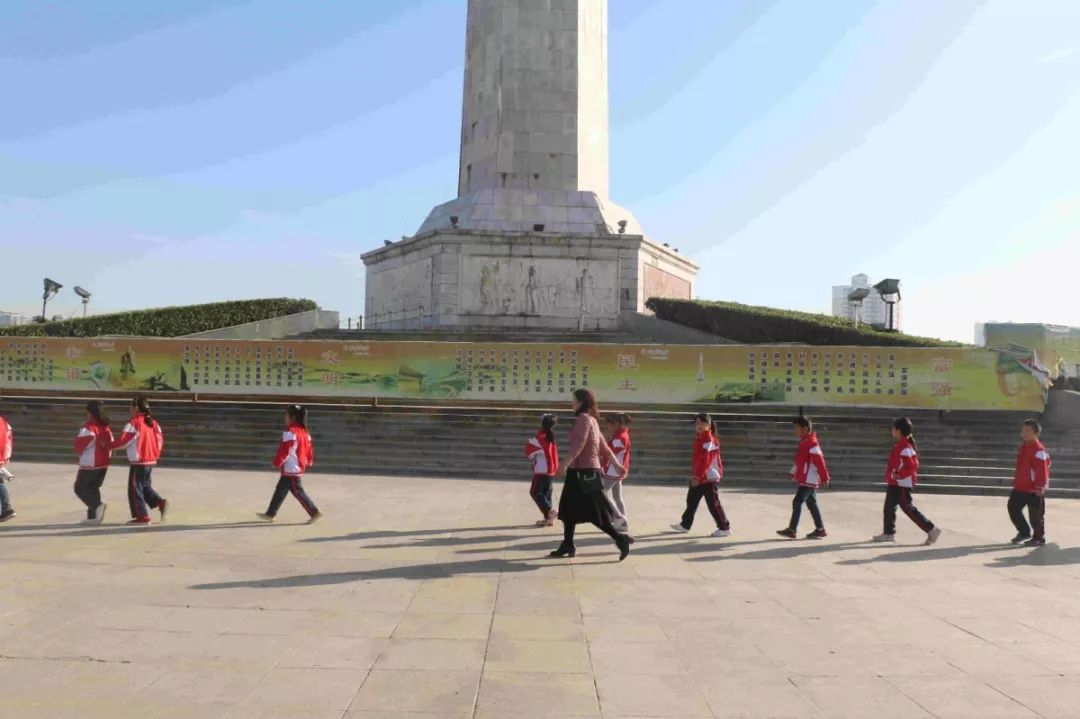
(434, 598)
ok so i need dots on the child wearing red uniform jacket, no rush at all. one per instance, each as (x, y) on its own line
(619, 427)
(901, 476)
(7, 444)
(1030, 482)
(143, 439)
(544, 455)
(92, 447)
(295, 456)
(809, 473)
(706, 471)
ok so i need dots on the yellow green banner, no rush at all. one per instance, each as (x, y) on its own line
(1054, 347)
(943, 378)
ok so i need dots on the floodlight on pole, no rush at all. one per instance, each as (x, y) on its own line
(85, 298)
(51, 287)
(890, 294)
(856, 297)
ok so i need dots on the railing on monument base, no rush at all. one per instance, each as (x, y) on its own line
(399, 319)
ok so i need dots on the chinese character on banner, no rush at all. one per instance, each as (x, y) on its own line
(941, 364)
(330, 357)
(73, 353)
(330, 378)
(627, 361)
(941, 389)
(627, 385)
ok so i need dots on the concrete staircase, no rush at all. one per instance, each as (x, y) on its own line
(965, 452)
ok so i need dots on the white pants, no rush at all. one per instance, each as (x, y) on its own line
(613, 491)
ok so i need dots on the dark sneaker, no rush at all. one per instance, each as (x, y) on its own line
(817, 534)
(1035, 543)
(10, 514)
(788, 533)
(163, 507)
(1020, 538)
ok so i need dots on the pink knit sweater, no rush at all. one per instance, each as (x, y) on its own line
(585, 443)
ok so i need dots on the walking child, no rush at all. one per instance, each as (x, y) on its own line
(544, 455)
(143, 439)
(809, 473)
(618, 425)
(901, 476)
(6, 446)
(706, 471)
(295, 456)
(1030, 482)
(92, 445)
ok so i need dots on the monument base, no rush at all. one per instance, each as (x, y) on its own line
(464, 278)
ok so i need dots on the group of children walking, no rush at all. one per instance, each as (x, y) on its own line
(810, 473)
(143, 440)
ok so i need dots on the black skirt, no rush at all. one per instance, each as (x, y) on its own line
(578, 507)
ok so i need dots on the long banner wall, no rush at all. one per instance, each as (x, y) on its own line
(946, 378)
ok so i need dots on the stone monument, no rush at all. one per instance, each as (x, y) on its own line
(532, 239)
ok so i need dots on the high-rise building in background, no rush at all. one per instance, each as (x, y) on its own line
(10, 319)
(872, 310)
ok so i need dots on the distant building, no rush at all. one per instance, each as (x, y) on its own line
(872, 311)
(10, 319)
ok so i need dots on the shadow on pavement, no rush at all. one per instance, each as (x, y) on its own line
(438, 570)
(390, 534)
(1049, 556)
(78, 530)
(929, 554)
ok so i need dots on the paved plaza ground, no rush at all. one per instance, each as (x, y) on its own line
(433, 598)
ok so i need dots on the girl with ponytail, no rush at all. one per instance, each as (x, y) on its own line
(544, 455)
(707, 468)
(901, 476)
(294, 456)
(143, 439)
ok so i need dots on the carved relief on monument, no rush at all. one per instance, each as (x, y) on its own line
(545, 287)
(659, 283)
(401, 290)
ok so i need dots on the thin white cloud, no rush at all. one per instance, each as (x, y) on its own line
(1060, 54)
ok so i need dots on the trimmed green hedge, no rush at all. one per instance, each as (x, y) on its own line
(166, 321)
(768, 325)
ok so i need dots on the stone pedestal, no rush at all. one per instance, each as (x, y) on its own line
(492, 279)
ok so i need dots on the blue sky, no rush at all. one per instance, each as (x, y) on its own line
(196, 150)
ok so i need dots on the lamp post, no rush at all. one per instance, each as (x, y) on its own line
(51, 287)
(855, 298)
(85, 298)
(890, 293)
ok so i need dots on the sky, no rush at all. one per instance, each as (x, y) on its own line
(200, 150)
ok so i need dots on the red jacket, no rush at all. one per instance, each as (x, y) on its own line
(1032, 467)
(620, 447)
(143, 443)
(295, 454)
(810, 469)
(544, 455)
(6, 442)
(92, 445)
(707, 466)
(903, 469)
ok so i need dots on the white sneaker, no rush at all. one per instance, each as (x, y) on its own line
(315, 518)
(932, 536)
(677, 527)
(99, 513)
(885, 538)
(88, 522)
(264, 517)
(721, 533)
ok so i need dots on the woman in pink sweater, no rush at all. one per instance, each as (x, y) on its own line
(583, 499)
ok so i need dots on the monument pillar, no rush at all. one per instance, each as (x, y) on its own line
(532, 238)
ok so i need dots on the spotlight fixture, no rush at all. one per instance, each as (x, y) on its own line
(454, 220)
(85, 298)
(538, 227)
(622, 227)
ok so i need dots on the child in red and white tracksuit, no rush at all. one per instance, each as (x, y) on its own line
(92, 446)
(901, 476)
(295, 456)
(544, 455)
(7, 444)
(706, 471)
(143, 439)
(810, 473)
(1030, 482)
(619, 427)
